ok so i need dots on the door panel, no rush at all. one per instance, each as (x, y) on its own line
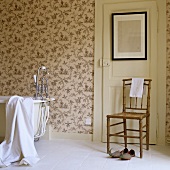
(135, 68)
(113, 75)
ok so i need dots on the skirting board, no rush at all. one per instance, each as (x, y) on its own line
(74, 136)
(1, 139)
(51, 134)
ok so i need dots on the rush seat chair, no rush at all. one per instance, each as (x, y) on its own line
(133, 109)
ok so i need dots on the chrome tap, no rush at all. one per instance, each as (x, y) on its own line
(41, 83)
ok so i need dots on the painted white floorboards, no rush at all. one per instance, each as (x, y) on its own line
(67, 154)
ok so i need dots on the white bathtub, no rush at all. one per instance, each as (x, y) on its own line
(37, 110)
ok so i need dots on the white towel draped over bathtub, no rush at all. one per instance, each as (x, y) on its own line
(136, 89)
(18, 145)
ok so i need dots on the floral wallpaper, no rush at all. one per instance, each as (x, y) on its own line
(58, 34)
(168, 72)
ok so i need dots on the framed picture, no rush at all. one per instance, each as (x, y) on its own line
(129, 36)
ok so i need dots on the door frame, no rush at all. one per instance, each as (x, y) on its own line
(98, 71)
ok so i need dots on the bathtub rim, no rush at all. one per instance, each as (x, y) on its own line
(4, 99)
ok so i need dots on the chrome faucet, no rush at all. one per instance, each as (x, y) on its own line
(41, 83)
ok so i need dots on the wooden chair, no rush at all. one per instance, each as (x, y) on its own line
(134, 109)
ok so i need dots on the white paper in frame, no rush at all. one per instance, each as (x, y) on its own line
(129, 36)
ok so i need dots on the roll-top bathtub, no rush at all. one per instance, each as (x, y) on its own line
(37, 111)
(4, 99)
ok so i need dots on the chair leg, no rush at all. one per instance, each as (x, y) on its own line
(125, 132)
(141, 138)
(147, 133)
(108, 134)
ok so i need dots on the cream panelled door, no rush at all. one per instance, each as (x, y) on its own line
(115, 71)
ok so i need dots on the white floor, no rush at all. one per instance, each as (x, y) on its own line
(85, 155)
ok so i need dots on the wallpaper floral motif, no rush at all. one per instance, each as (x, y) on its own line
(60, 35)
(168, 72)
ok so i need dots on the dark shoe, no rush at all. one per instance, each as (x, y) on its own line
(117, 154)
(124, 151)
(132, 153)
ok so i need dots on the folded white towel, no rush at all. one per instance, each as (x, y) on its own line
(19, 138)
(136, 89)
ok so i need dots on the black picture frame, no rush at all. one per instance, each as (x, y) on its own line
(129, 36)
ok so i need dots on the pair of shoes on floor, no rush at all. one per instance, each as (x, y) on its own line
(124, 154)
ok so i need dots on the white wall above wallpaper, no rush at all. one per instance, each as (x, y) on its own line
(60, 35)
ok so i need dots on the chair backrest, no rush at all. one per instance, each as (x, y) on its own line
(136, 104)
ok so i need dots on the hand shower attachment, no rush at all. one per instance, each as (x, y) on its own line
(41, 83)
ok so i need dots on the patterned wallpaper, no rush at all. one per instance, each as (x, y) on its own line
(168, 72)
(60, 35)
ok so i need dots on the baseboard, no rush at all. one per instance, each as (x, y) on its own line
(1, 139)
(53, 135)
(74, 136)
